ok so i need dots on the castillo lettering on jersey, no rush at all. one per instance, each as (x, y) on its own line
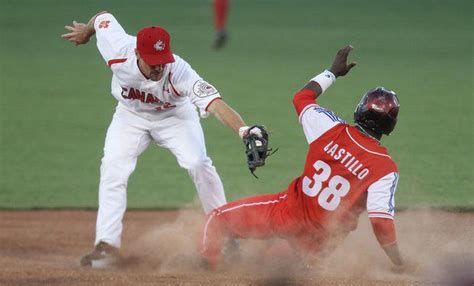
(136, 94)
(347, 160)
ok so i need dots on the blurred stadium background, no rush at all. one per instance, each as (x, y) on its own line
(55, 102)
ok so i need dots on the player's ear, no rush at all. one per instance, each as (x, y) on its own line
(137, 54)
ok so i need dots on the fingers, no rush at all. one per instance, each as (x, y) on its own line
(343, 53)
(349, 48)
(346, 50)
(257, 131)
(68, 35)
(351, 65)
(75, 26)
(69, 28)
(71, 37)
(75, 33)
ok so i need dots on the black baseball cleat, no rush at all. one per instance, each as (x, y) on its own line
(103, 256)
(220, 40)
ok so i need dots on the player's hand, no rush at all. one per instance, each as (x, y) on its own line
(339, 66)
(408, 267)
(80, 33)
(245, 131)
(255, 140)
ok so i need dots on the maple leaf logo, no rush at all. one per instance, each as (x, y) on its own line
(159, 46)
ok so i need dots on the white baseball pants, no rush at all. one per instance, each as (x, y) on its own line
(127, 137)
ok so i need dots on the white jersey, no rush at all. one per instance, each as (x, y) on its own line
(180, 89)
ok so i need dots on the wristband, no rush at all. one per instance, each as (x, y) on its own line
(324, 79)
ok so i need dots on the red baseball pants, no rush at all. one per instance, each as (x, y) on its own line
(260, 217)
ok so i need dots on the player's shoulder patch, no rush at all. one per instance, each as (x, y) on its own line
(202, 88)
(102, 20)
(329, 114)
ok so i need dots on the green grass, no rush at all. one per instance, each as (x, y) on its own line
(55, 103)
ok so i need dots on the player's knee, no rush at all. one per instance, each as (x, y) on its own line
(196, 163)
(116, 166)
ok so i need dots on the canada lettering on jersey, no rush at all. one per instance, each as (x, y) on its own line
(136, 94)
(349, 161)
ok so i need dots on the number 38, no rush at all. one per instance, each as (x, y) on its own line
(330, 197)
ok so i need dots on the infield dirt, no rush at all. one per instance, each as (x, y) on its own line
(44, 248)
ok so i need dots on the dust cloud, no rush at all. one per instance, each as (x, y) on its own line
(439, 245)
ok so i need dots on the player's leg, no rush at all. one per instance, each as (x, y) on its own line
(313, 245)
(221, 8)
(254, 217)
(127, 137)
(185, 139)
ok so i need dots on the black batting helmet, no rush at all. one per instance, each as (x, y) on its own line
(378, 110)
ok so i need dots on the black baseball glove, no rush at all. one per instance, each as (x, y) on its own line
(256, 148)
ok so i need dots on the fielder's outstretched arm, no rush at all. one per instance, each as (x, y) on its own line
(227, 116)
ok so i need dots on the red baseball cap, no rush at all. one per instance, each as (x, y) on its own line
(153, 44)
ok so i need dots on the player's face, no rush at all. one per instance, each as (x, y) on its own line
(154, 73)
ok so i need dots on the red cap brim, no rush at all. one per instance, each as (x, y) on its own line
(154, 60)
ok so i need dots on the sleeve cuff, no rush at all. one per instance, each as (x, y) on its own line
(211, 102)
(380, 215)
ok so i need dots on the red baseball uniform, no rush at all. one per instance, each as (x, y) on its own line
(346, 172)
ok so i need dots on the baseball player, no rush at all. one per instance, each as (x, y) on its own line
(346, 172)
(158, 94)
(221, 9)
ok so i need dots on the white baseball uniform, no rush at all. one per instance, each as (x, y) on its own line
(162, 111)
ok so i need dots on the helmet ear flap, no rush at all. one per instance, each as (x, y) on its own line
(370, 124)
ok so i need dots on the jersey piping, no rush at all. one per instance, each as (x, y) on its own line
(209, 104)
(115, 61)
(362, 147)
(392, 192)
(172, 86)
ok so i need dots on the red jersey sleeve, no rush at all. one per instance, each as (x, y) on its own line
(304, 99)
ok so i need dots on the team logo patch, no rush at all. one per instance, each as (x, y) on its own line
(203, 89)
(159, 46)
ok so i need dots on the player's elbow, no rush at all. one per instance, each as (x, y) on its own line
(303, 98)
(296, 98)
